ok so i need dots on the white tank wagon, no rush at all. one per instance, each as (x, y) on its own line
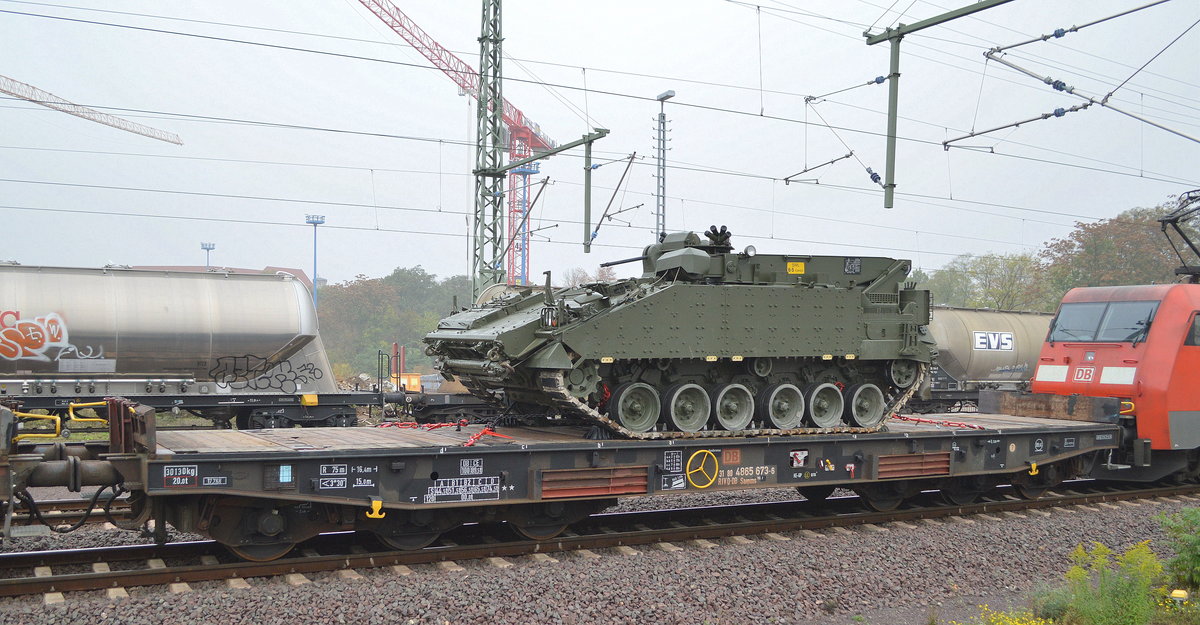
(169, 338)
(980, 349)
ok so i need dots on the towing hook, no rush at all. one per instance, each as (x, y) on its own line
(1033, 470)
(376, 511)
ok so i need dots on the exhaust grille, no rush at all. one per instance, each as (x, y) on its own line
(559, 484)
(914, 465)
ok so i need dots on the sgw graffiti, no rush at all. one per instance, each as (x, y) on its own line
(41, 338)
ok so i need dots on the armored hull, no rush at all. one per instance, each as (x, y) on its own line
(707, 342)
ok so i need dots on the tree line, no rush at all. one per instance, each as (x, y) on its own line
(361, 317)
(1127, 249)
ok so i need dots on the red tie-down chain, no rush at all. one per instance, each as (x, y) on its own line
(487, 431)
(947, 424)
(413, 425)
(470, 442)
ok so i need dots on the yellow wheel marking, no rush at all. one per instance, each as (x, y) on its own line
(699, 463)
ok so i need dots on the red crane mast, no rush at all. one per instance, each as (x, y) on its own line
(524, 136)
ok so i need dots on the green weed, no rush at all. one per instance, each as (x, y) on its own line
(1183, 535)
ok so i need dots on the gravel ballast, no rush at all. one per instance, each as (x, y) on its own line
(894, 576)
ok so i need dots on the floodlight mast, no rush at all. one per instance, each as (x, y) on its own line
(660, 210)
(208, 248)
(315, 220)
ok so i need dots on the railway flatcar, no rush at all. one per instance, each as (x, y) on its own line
(261, 492)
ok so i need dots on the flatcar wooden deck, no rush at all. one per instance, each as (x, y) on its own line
(390, 438)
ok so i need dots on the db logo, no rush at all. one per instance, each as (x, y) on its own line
(1085, 374)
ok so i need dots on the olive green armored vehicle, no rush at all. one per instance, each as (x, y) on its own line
(707, 342)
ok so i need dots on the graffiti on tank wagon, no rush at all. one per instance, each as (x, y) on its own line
(258, 374)
(42, 339)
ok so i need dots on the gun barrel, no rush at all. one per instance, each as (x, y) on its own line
(623, 261)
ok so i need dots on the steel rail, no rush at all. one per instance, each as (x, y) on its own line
(69, 511)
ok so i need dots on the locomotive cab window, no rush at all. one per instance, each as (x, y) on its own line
(1111, 322)
(1077, 322)
(1193, 335)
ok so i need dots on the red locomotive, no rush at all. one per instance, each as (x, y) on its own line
(1141, 346)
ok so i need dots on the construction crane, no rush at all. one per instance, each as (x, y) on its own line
(523, 138)
(28, 92)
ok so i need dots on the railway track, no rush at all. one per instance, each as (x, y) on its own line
(178, 563)
(69, 512)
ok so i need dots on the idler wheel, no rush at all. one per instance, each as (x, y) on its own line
(688, 407)
(825, 405)
(261, 553)
(583, 380)
(903, 372)
(636, 406)
(734, 406)
(867, 405)
(782, 405)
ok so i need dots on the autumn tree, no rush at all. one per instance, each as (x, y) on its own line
(606, 274)
(1002, 282)
(948, 286)
(1127, 249)
(575, 276)
(360, 317)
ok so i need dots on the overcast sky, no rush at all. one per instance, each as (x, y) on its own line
(381, 144)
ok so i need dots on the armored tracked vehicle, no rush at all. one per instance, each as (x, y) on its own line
(707, 342)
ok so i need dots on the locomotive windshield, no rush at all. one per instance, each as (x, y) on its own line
(1111, 322)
